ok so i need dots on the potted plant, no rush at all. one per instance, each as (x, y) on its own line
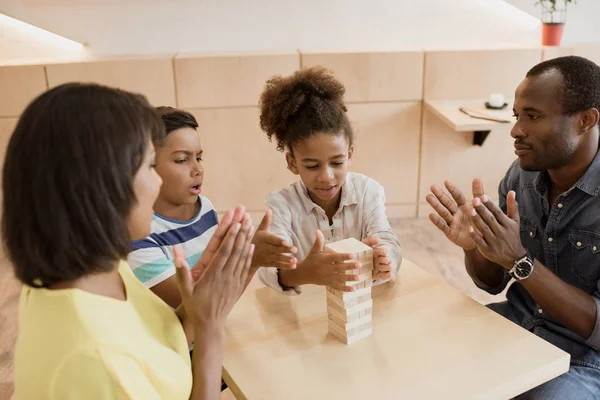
(554, 16)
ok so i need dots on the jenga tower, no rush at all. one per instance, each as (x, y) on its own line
(350, 313)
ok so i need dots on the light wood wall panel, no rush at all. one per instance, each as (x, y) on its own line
(19, 85)
(475, 74)
(241, 165)
(449, 155)
(591, 52)
(228, 81)
(387, 150)
(152, 77)
(383, 91)
(374, 77)
(7, 125)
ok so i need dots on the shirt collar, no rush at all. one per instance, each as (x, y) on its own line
(588, 183)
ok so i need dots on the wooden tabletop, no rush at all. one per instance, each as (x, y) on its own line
(429, 342)
(449, 112)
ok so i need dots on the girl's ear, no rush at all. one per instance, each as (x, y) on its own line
(291, 163)
(350, 152)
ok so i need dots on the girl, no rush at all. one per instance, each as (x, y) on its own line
(88, 329)
(306, 114)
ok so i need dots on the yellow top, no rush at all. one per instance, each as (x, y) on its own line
(76, 345)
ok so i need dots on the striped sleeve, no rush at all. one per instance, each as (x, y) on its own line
(151, 259)
(149, 263)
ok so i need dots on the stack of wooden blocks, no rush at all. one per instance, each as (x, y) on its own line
(350, 313)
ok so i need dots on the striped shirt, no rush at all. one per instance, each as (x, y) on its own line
(151, 259)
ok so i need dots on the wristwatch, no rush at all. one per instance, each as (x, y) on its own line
(522, 268)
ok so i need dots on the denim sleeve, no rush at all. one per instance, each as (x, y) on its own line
(594, 339)
(498, 289)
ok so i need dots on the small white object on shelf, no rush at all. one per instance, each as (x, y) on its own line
(496, 100)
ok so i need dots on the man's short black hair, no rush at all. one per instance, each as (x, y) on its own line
(581, 79)
(68, 181)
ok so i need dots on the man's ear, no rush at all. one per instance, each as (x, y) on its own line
(588, 120)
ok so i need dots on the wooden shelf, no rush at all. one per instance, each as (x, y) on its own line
(449, 112)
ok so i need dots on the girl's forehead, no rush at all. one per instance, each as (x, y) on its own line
(323, 145)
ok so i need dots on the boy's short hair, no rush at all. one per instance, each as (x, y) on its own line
(174, 119)
(68, 181)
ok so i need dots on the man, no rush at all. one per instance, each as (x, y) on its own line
(549, 241)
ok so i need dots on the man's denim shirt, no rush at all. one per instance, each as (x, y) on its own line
(565, 237)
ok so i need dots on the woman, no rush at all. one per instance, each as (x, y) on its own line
(88, 328)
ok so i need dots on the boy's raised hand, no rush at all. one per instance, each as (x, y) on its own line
(271, 250)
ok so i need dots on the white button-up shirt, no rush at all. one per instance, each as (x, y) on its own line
(361, 214)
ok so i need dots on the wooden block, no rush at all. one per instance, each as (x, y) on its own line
(350, 310)
(351, 302)
(351, 339)
(359, 336)
(340, 332)
(350, 324)
(348, 314)
(363, 284)
(360, 327)
(366, 267)
(361, 251)
(363, 278)
(347, 299)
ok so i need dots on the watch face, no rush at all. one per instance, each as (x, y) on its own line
(523, 269)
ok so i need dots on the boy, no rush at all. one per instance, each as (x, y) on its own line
(183, 216)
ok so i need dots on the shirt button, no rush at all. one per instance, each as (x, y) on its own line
(550, 240)
(594, 248)
(578, 244)
(540, 311)
(560, 205)
(531, 234)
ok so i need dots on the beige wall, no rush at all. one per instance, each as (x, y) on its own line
(450, 155)
(7, 125)
(399, 143)
(591, 52)
(18, 86)
(151, 76)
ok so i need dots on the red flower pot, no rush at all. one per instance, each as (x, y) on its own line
(552, 33)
